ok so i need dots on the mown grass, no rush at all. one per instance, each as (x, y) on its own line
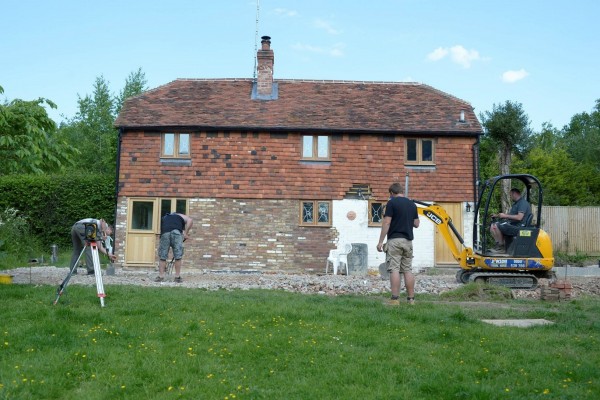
(164, 343)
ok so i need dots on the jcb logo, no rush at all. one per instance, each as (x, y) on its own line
(437, 220)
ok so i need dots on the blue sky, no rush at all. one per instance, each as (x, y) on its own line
(544, 54)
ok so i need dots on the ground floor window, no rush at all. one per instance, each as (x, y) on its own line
(315, 213)
(173, 206)
(376, 212)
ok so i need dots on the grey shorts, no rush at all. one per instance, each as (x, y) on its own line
(399, 255)
(507, 229)
(174, 240)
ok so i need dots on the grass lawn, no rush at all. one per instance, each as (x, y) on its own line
(164, 343)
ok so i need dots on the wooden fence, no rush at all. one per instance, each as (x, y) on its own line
(573, 229)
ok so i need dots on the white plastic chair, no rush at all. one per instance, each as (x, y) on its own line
(337, 257)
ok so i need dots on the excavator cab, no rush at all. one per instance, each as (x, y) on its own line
(523, 244)
(527, 255)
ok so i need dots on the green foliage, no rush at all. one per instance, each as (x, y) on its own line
(92, 130)
(135, 84)
(28, 139)
(578, 259)
(176, 342)
(566, 161)
(15, 236)
(507, 129)
(507, 125)
(478, 292)
(565, 181)
(51, 204)
(582, 137)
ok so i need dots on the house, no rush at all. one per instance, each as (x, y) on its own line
(275, 172)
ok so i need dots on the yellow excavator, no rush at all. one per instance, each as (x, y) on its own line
(526, 257)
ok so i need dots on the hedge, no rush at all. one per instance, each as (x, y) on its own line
(53, 203)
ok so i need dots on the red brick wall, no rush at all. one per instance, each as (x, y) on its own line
(268, 166)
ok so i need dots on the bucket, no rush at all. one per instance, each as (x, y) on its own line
(6, 279)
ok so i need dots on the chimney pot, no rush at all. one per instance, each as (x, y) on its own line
(265, 42)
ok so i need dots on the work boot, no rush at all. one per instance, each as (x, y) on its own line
(497, 249)
(392, 302)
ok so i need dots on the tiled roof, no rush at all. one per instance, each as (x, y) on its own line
(348, 106)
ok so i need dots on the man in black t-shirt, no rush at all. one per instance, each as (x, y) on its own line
(398, 222)
(174, 229)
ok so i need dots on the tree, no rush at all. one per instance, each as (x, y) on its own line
(28, 139)
(566, 182)
(582, 137)
(134, 84)
(507, 127)
(92, 130)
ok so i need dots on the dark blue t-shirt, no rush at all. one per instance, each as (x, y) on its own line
(403, 212)
(171, 222)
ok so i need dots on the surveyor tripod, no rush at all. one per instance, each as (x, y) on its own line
(93, 245)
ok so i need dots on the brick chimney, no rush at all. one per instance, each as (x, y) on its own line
(265, 60)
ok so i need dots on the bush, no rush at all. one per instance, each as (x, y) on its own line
(50, 204)
(15, 235)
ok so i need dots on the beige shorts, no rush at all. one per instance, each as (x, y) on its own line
(399, 255)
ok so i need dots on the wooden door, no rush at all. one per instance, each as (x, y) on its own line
(142, 230)
(443, 255)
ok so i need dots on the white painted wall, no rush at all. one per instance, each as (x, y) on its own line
(358, 231)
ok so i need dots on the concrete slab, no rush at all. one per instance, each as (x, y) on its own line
(519, 323)
(561, 272)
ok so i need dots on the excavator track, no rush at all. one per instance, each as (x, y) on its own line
(514, 280)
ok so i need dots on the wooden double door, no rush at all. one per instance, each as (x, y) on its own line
(143, 227)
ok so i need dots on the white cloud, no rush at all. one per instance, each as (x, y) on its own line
(514, 76)
(437, 54)
(462, 56)
(326, 26)
(458, 54)
(285, 12)
(337, 50)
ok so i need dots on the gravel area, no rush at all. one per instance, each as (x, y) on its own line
(442, 281)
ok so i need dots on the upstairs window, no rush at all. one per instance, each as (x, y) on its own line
(315, 213)
(316, 148)
(175, 145)
(420, 152)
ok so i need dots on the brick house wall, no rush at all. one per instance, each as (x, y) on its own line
(233, 178)
(268, 166)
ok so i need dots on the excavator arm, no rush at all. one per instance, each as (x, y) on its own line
(446, 228)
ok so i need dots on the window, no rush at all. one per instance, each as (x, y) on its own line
(142, 215)
(315, 213)
(176, 145)
(376, 212)
(173, 205)
(420, 151)
(316, 148)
